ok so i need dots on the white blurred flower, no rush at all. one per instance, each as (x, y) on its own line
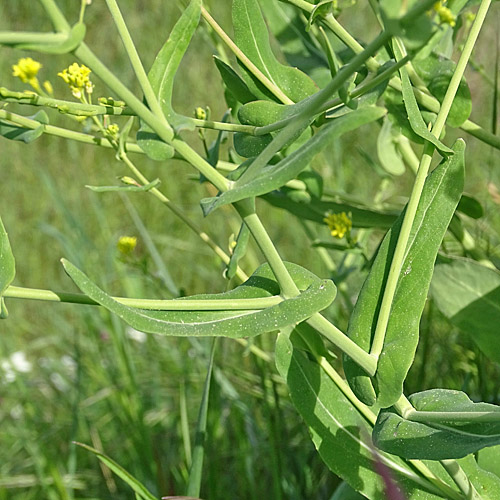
(17, 362)
(69, 363)
(136, 335)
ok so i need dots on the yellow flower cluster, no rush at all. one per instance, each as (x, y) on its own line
(445, 14)
(26, 69)
(126, 244)
(113, 130)
(339, 224)
(77, 77)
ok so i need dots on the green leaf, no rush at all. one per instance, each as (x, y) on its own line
(468, 294)
(233, 82)
(117, 469)
(443, 438)
(316, 211)
(274, 176)
(470, 206)
(388, 155)
(340, 432)
(161, 76)
(27, 135)
(317, 294)
(7, 262)
(134, 189)
(152, 145)
(489, 460)
(486, 482)
(252, 37)
(414, 34)
(250, 146)
(436, 72)
(414, 115)
(440, 196)
(74, 39)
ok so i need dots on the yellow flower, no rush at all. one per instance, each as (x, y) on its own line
(113, 130)
(445, 15)
(126, 244)
(200, 113)
(48, 87)
(339, 224)
(26, 69)
(77, 77)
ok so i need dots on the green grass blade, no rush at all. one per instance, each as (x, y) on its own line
(139, 489)
(195, 474)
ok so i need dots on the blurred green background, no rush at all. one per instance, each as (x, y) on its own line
(74, 373)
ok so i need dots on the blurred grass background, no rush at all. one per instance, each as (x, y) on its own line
(87, 377)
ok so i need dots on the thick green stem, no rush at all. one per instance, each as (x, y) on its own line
(312, 108)
(65, 107)
(411, 210)
(19, 37)
(134, 58)
(423, 98)
(461, 480)
(16, 292)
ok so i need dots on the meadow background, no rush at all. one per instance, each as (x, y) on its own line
(74, 373)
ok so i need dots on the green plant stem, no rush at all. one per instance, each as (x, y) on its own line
(251, 305)
(65, 107)
(461, 479)
(406, 410)
(425, 162)
(20, 37)
(311, 109)
(134, 58)
(437, 486)
(189, 223)
(122, 155)
(26, 122)
(288, 287)
(423, 98)
(276, 91)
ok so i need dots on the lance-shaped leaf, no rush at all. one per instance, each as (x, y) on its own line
(389, 157)
(468, 294)
(440, 196)
(414, 115)
(161, 76)
(7, 267)
(274, 176)
(233, 82)
(339, 430)
(252, 37)
(317, 294)
(18, 133)
(452, 426)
